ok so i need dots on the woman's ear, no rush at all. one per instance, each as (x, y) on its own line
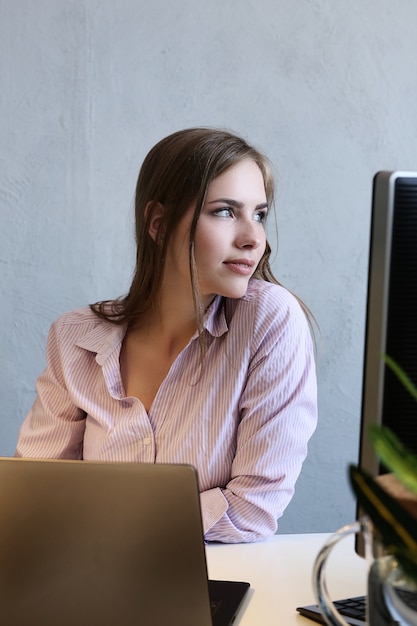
(154, 212)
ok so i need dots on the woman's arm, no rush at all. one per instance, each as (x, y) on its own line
(278, 416)
(54, 427)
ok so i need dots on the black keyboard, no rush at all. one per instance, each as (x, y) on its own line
(352, 609)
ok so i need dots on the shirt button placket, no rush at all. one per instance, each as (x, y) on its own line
(148, 449)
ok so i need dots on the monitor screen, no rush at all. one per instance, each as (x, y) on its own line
(391, 316)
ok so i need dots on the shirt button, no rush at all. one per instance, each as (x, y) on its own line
(146, 441)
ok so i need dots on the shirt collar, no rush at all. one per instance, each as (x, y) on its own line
(215, 319)
(104, 338)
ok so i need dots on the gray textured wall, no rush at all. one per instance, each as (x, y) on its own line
(327, 89)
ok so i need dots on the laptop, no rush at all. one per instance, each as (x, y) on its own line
(106, 543)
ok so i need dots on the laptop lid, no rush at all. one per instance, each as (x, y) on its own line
(101, 543)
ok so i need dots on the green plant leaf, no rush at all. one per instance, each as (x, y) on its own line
(402, 376)
(396, 526)
(395, 456)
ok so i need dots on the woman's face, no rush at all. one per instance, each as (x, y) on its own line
(230, 235)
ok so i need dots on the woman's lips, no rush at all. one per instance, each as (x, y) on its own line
(244, 267)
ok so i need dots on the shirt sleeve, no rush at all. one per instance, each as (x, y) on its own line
(54, 426)
(278, 416)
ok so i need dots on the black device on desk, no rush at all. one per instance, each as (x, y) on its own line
(352, 609)
(391, 322)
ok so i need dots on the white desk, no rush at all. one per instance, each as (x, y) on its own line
(280, 573)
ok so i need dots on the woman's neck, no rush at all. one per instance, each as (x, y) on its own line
(169, 322)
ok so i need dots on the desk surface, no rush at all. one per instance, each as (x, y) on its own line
(280, 573)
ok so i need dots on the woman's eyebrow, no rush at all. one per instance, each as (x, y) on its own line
(236, 204)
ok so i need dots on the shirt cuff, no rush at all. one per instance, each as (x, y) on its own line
(213, 506)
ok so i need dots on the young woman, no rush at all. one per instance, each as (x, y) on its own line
(206, 361)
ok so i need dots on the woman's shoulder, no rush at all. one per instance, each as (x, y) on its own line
(267, 314)
(270, 298)
(77, 317)
(80, 322)
(265, 308)
(83, 328)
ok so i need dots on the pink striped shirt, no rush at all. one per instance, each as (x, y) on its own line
(244, 424)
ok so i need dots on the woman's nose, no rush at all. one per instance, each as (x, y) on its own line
(248, 235)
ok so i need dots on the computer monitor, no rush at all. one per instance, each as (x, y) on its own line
(391, 318)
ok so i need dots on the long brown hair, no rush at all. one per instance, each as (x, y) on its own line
(176, 174)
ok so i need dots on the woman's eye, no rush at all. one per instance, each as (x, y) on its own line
(260, 216)
(223, 212)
